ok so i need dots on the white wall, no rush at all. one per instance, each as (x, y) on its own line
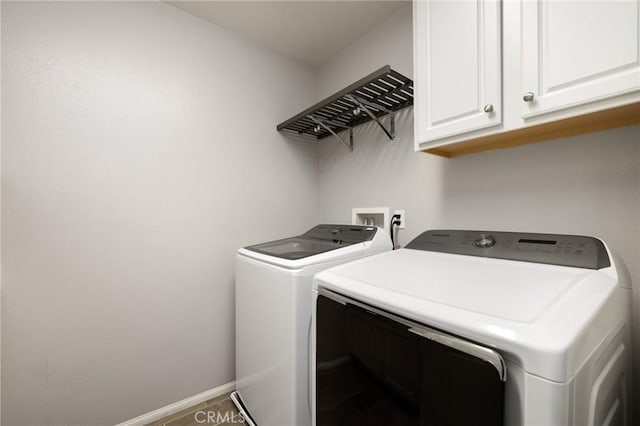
(138, 152)
(586, 184)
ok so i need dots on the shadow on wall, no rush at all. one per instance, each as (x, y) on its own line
(372, 148)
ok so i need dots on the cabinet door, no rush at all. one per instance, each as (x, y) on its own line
(576, 52)
(457, 67)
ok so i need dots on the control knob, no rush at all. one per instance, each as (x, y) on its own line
(485, 240)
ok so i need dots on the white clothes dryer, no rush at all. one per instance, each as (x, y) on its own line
(273, 317)
(469, 327)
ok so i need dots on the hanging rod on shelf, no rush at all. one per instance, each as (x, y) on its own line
(381, 93)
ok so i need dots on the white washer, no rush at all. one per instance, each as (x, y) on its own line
(273, 317)
(554, 309)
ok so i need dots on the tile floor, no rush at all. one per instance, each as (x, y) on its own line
(218, 411)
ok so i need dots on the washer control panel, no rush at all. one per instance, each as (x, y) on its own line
(346, 233)
(554, 249)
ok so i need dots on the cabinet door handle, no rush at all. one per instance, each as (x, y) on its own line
(488, 108)
(528, 97)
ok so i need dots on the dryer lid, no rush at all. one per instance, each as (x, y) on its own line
(546, 315)
(515, 292)
(319, 239)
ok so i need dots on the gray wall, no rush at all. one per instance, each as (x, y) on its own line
(138, 152)
(586, 184)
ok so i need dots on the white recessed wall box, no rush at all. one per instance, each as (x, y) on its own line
(374, 216)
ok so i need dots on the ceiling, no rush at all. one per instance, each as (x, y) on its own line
(310, 31)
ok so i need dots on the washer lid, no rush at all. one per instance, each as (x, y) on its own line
(319, 239)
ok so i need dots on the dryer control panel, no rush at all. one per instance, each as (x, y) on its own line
(554, 249)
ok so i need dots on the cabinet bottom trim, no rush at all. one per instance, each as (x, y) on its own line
(601, 120)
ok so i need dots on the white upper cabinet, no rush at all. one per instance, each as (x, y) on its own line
(457, 61)
(490, 74)
(575, 52)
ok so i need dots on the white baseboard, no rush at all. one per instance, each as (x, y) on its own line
(170, 409)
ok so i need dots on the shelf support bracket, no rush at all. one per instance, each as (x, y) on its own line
(363, 103)
(321, 123)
